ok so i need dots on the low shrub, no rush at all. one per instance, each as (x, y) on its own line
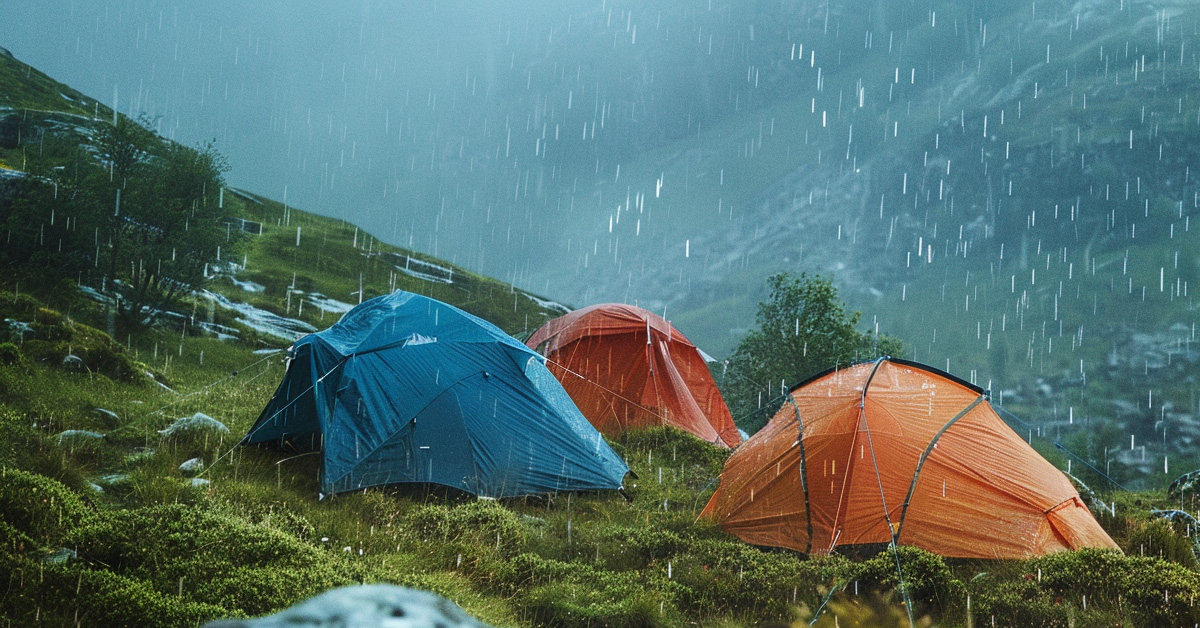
(928, 581)
(10, 355)
(480, 522)
(69, 595)
(217, 558)
(14, 542)
(40, 507)
(675, 447)
(1019, 602)
(263, 590)
(611, 600)
(1160, 537)
(638, 546)
(1152, 591)
(727, 575)
(55, 337)
(23, 446)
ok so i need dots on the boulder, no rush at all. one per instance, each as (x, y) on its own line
(192, 466)
(197, 422)
(365, 606)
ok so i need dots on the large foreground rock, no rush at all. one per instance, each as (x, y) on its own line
(366, 606)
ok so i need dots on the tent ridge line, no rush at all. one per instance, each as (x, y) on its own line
(862, 402)
(860, 426)
(925, 455)
(803, 473)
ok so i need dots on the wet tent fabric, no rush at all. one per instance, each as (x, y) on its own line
(893, 445)
(626, 367)
(409, 389)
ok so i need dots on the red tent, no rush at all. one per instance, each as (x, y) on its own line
(895, 451)
(625, 367)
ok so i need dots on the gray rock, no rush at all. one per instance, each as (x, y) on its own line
(192, 466)
(60, 556)
(198, 422)
(17, 330)
(113, 480)
(76, 437)
(108, 416)
(73, 361)
(366, 606)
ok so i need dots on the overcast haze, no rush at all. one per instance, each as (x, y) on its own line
(673, 154)
(349, 109)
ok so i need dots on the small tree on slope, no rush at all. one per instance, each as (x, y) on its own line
(802, 329)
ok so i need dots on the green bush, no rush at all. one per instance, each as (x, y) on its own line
(1019, 602)
(22, 307)
(55, 337)
(726, 575)
(529, 570)
(565, 604)
(611, 600)
(40, 507)
(220, 558)
(927, 580)
(1152, 591)
(480, 522)
(68, 595)
(676, 448)
(638, 546)
(22, 446)
(14, 542)
(1159, 537)
(263, 590)
(10, 354)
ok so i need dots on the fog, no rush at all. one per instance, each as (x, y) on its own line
(327, 106)
(511, 138)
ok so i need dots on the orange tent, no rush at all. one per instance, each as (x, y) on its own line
(893, 450)
(625, 367)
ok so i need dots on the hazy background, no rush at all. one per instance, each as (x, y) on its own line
(954, 166)
(349, 109)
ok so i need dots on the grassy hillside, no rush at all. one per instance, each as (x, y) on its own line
(101, 524)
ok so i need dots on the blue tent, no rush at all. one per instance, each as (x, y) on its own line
(409, 389)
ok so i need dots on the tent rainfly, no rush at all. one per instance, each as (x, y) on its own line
(409, 389)
(627, 368)
(896, 451)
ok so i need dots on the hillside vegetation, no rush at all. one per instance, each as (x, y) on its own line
(110, 516)
(101, 524)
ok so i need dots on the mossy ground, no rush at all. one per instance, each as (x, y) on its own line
(152, 549)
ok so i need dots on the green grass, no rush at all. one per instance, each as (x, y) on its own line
(154, 550)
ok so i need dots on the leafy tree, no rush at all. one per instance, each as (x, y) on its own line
(171, 232)
(801, 330)
(131, 213)
(50, 219)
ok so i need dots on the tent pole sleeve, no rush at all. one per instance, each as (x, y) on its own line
(862, 402)
(925, 455)
(803, 472)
